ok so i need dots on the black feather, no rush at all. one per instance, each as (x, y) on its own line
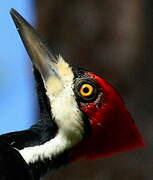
(44, 130)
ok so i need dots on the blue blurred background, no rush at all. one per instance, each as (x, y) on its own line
(17, 100)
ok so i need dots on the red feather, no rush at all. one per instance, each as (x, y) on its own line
(113, 129)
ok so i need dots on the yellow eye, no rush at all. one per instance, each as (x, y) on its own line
(86, 90)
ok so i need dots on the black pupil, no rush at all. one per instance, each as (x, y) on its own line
(86, 90)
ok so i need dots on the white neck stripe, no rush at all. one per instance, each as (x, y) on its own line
(67, 115)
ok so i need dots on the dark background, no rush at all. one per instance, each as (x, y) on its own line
(115, 40)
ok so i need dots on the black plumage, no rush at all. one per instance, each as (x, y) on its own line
(44, 130)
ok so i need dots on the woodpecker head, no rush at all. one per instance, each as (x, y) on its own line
(91, 117)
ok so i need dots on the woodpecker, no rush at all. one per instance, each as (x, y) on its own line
(80, 116)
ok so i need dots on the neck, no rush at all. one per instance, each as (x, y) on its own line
(56, 136)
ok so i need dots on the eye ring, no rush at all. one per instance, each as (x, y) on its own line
(81, 85)
(86, 90)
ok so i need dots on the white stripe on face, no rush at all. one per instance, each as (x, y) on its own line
(66, 113)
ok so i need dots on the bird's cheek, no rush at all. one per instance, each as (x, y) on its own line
(92, 112)
(88, 108)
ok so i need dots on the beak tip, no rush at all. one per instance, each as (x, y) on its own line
(18, 20)
(13, 12)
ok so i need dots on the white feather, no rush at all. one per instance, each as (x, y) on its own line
(66, 113)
